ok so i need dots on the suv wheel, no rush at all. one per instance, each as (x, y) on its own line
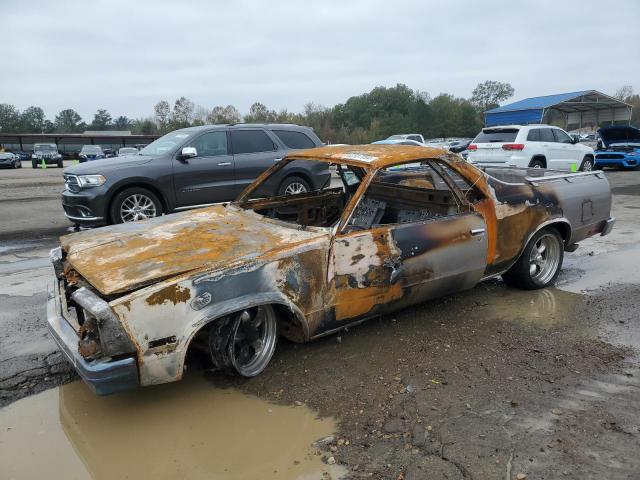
(293, 185)
(537, 163)
(540, 262)
(587, 165)
(135, 204)
(60, 163)
(34, 164)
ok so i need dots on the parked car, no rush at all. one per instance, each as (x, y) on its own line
(459, 146)
(394, 141)
(127, 151)
(535, 146)
(129, 302)
(9, 160)
(619, 146)
(186, 168)
(47, 153)
(416, 137)
(22, 155)
(109, 152)
(91, 152)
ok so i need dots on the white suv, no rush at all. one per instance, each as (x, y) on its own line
(536, 146)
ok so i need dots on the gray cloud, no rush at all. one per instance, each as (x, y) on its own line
(125, 56)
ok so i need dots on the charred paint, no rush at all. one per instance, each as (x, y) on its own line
(173, 293)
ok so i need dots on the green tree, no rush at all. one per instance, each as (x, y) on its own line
(9, 118)
(144, 126)
(222, 115)
(259, 113)
(162, 113)
(489, 94)
(32, 120)
(122, 123)
(101, 120)
(68, 121)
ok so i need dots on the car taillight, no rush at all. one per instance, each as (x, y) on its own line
(513, 146)
(472, 147)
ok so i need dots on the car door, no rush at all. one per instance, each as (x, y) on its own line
(253, 151)
(408, 240)
(564, 153)
(208, 177)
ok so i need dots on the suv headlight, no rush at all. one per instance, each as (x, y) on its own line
(91, 180)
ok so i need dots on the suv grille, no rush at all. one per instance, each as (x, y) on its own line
(71, 183)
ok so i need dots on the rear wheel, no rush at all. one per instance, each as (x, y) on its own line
(537, 163)
(134, 204)
(34, 164)
(60, 164)
(587, 165)
(540, 262)
(293, 185)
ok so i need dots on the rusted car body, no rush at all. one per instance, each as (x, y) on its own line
(129, 301)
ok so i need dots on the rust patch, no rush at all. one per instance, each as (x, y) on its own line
(173, 293)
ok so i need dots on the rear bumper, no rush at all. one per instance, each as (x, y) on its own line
(103, 377)
(608, 226)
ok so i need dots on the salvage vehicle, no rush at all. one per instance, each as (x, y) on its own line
(535, 146)
(187, 168)
(619, 146)
(47, 153)
(397, 225)
(10, 160)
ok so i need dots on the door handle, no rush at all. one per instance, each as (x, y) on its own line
(224, 164)
(275, 160)
(477, 231)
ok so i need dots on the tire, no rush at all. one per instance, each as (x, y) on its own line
(60, 164)
(16, 164)
(134, 204)
(540, 262)
(244, 343)
(293, 185)
(34, 164)
(537, 163)
(587, 165)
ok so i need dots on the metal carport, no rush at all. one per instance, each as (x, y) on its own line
(577, 109)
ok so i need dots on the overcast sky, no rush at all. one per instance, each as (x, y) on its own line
(126, 55)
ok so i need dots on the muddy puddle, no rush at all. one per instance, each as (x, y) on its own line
(186, 430)
(546, 308)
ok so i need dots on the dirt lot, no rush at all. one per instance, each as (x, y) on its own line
(489, 383)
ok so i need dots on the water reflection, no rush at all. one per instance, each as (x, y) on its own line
(187, 430)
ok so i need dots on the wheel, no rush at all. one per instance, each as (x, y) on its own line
(540, 262)
(293, 185)
(16, 164)
(34, 164)
(60, 164)
(587, 165)
(244, 342)
(135, 204)
(537, 163)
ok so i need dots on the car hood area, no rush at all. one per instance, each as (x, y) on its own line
(126, 257)
(107, 164)
(620, 135)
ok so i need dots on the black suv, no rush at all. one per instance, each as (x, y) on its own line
(188, 168)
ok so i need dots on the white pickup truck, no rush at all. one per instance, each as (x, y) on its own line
(535, 146)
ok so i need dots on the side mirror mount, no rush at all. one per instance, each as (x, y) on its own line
(575, 138)
(187, 153)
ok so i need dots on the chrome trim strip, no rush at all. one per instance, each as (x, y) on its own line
(564, 176)
(202, 205)
(91, 219)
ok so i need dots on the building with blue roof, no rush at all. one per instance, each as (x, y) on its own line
(585, 108)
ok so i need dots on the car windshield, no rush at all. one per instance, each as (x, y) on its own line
(128, 151)
(91, 149)
(44, 148)
(166, 143)
(308, 193)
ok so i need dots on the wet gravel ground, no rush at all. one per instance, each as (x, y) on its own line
(489, 383)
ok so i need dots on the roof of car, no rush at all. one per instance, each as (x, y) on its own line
(368, 156)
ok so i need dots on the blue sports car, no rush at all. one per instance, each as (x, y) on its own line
(619, 146)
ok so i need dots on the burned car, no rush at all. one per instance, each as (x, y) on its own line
(394, 227)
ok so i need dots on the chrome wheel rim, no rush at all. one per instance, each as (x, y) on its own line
(537, 165)
(254, 340)
(544, 258)
(137, 207)
(294, 188)
(587, 166)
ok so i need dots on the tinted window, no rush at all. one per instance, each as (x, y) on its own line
(211, 144)
(496, 135)
(294, 139)
(413, 137)
(534, 135)
(250, 141)
(546, 135)
(561, 136)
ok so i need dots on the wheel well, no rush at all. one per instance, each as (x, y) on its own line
(539, 157)
(563, 229)
(151, 188)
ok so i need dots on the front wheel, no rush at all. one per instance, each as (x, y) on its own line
(540, 262)
(587, 165)
(134, 204)
(34, 164)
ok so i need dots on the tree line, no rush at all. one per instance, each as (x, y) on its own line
(361, 119)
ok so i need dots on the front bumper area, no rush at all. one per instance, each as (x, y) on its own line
(84, 208)
(103, 377)
(617, 160)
